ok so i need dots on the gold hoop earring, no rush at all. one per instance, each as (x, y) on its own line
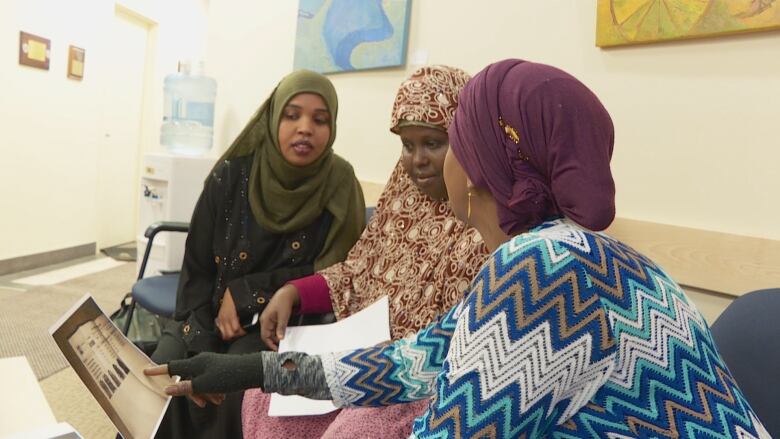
(468, 209)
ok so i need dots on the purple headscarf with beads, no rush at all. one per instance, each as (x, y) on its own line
(540, 141)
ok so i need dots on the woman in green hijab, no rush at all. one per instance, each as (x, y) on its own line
(278, 205)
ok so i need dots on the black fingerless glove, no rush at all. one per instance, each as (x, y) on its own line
(220, 373)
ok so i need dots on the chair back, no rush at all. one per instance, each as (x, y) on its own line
(747, 335)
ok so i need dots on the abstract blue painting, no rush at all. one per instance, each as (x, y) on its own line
(347, 35)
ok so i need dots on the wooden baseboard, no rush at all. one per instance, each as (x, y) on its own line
(719, 262)
(710, 304)
(37, 260)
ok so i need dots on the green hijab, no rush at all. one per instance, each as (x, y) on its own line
(285, 198)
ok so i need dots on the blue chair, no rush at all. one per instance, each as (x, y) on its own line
(747, 335)
(155, 293)
(158, 293)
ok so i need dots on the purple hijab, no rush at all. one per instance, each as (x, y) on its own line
(539, 141)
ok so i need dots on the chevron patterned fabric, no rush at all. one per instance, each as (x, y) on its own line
(565, 333)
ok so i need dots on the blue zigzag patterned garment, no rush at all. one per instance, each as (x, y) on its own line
(565, 333)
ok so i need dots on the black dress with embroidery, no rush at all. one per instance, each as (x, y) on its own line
(227, 248)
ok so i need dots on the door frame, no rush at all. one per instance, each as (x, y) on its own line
(146, 131)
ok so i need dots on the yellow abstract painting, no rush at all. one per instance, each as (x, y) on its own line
(622, 22)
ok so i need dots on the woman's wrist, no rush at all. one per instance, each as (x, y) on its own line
(291, 292)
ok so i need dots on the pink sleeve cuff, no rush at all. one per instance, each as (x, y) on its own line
(314, 293)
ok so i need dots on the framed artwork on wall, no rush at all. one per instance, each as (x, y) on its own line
(34, 51)
(75, 63)
(623, 22)
(348, 35)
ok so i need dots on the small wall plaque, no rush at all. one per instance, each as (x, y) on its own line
(34, 51)
(75, 63)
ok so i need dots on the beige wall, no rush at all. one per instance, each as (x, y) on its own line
(51, 126)
(48, 145)
(696, 121)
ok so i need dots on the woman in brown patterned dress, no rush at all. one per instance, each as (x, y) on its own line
(414, 251)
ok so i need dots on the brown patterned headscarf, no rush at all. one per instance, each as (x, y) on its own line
(429, 97)
(414, 251)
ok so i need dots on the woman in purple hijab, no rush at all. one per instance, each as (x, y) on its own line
(540, 142)
(564, 332)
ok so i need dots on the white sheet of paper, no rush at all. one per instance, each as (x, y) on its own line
(362, 329)
(63, 430)
(26, 406)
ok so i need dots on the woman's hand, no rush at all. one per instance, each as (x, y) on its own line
(200, 399)
(227, 319)
(208, 376)
(273, 321)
